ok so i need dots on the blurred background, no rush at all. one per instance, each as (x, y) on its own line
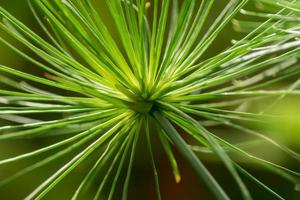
(286, 131)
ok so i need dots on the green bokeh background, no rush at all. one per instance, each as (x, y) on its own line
(142, 184)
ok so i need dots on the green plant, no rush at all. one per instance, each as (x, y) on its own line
(155, 77)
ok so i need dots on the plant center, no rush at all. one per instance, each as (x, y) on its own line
(142, 106)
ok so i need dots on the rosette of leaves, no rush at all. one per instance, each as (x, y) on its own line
(112, 90)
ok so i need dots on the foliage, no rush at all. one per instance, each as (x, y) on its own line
(153, 76)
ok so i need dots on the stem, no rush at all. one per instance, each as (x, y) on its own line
(191, 158)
